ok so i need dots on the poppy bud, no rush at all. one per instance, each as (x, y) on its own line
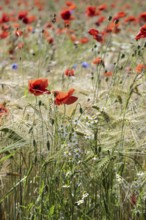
(99, 149)
(110, 18)
(40, 102)
(119, 99)
(34, 143)
(46, 188)
(81, 110)
(116, 21)
(48, 145)
(122, 56)
(52, 121)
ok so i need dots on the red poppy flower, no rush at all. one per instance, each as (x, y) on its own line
(84, 40)
(29, 20)
(108, 74)
(71, 5)
(50, 40)
(3, 110)
(22, 15)
(73, 37)
(96, 35)
(64, 97)
(5, 27)
(4, 34)
(93, 32)
(98, 38)
(69, 72)
(142, 18)
(130, 19)
(142, 33)
(38, 86)
(98, 60)
(100, 20)
(46, 33)
(66, 14)
(91, 11)
(102, 7)
(139, 68)
(5, 18)
(119, 15)
(29, 28)
(112, 27)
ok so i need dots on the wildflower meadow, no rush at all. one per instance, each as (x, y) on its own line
(72, 110)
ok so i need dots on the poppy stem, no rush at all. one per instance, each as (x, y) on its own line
(64, 112)
(36, 100)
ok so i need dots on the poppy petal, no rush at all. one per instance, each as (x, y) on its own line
(71, 91)
(93, 32)
(62, 95)
(70, 100)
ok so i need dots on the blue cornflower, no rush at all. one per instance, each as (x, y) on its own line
(85, 65)
(14, 66)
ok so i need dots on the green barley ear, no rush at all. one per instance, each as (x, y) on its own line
(105, 116)
(12, 134)
(103, 113)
